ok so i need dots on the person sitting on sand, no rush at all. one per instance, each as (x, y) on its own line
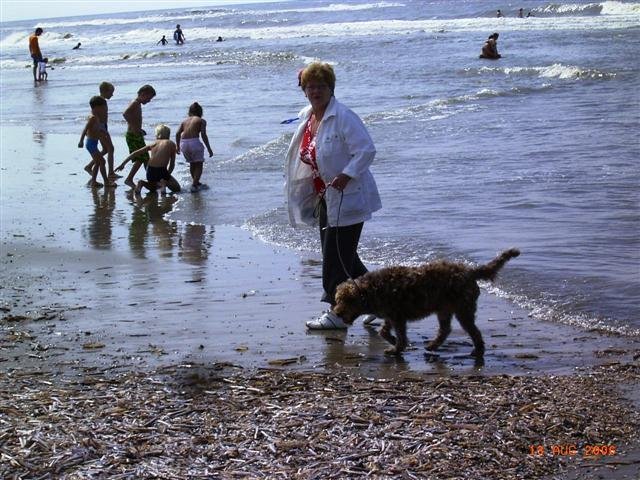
(106, 90)
(135, 134)
(188, 141)
(161, 163)
(95, 133)
(490, 48)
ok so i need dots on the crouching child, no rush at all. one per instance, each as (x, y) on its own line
(161, 163)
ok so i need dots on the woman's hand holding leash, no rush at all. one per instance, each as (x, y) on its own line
(340, 182)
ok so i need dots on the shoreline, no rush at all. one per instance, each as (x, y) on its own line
(100, 291)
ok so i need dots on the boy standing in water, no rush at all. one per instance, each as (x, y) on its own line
(42, 69)
(106, 91)
(95, 134)
(188, 141)
(161, 164)
(135, 133)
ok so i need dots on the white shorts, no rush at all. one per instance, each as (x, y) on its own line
(192, 149)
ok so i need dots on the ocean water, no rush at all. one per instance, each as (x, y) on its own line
(538, 150)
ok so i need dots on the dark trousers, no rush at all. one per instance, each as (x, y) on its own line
(346, 240)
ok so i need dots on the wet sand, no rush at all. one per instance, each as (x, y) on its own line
(101, 280)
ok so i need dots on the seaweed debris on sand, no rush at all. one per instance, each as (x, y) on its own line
(188, 421)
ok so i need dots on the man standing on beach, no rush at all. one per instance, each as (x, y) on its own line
(34, 50)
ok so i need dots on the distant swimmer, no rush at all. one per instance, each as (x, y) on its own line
(77, 47)
(178, 36)
(499, 14)
(490, 47)
(163, 40)
(521, 13)
(530, 14)
(219, 39)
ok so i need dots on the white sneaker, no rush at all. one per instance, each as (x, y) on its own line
(369, 319)
(327, 321)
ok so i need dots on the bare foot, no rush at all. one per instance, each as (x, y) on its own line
(114, 175)
(94, 184)
(432, 345)
(88, 169)
(139, 187)
(110, 184)
(129, 182)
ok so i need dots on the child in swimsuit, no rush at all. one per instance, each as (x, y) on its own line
(135, 133)
(161, 163)
(188, 141)
(95, 134)
(42, 69)
(106, 91)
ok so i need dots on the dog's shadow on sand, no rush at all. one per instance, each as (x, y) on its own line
(368, 352)
(448, 354)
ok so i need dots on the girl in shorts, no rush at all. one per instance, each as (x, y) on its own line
(188, 141)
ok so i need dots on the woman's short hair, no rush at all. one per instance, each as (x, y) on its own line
(195, 109)
(318, 72)
(162, 132)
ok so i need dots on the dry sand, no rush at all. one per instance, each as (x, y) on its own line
(100, 283)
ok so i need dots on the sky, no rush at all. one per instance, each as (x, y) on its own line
(11, 10)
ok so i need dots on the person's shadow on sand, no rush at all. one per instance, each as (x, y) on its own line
(150, 210)
(99, 228)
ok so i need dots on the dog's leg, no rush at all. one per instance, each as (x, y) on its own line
(385, 332)
(444, 321)
(468, 321)
(401, 331)
(400, 342)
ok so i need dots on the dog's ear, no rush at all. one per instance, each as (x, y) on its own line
(348, 305)
(345, 293)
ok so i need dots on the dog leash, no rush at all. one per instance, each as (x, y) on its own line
(344, 268)
(316, 214)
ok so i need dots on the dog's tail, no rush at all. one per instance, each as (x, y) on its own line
(491, 269)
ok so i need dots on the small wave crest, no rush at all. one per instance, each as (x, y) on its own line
(579, 9)
(268, 156)
(543, 311)
(442, 108)
(568, 9)
(556, 70)
(200, 15)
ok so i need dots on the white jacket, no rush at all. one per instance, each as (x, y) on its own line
(343, 145)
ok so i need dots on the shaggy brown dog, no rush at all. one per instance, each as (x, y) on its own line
(401, 294)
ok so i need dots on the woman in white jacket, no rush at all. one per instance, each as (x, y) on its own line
(328, 182)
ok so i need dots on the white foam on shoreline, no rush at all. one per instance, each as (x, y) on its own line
(138, 36)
